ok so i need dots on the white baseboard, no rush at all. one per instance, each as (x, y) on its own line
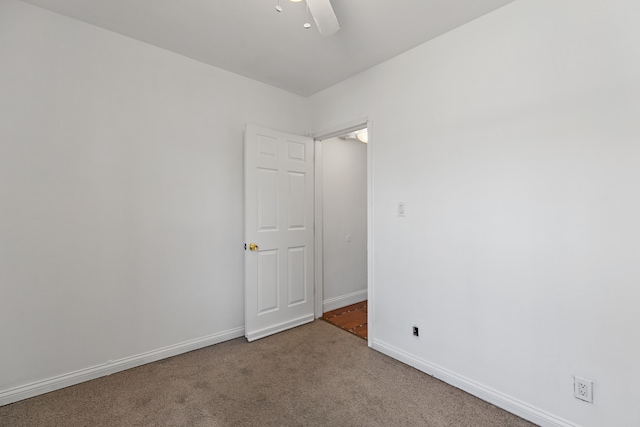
(113, 366)
(343, 300)
(521, 409)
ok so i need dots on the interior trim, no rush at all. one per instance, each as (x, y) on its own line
(113, 366)
(508, 403)
(343, 300)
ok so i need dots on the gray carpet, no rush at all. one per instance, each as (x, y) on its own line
(314, 375)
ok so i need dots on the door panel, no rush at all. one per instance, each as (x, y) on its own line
(267, 281)
(267, 199)
(297, 196)
(279, 213)
(297, 276)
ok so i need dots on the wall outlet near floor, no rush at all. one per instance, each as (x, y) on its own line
(583, 389)
(416, 332)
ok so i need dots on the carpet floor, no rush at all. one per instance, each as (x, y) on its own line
(313, 375)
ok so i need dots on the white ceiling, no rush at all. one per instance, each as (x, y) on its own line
(250, 38)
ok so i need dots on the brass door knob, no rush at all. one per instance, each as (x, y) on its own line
(253, 247)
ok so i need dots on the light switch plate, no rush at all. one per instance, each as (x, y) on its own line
(402, 209)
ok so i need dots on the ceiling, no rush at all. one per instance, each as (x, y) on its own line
(248, 37)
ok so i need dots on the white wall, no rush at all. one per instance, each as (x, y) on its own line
(514, 141)
(120, 199)
(344, 206)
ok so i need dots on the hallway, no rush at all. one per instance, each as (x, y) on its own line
(352, 318)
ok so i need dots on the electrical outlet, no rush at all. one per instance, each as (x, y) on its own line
(416, 332)
(583, 389)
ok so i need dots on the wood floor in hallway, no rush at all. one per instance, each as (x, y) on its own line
(352, 318)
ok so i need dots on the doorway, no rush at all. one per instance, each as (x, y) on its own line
(281, 204)
(342, 228)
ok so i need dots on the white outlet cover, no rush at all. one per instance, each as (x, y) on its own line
(583, 389)
(402, 209)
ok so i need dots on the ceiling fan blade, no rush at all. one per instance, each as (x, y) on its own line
(325, 17)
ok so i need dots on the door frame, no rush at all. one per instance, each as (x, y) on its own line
(318, 137)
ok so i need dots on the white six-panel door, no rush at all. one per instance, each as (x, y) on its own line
(279, 254)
